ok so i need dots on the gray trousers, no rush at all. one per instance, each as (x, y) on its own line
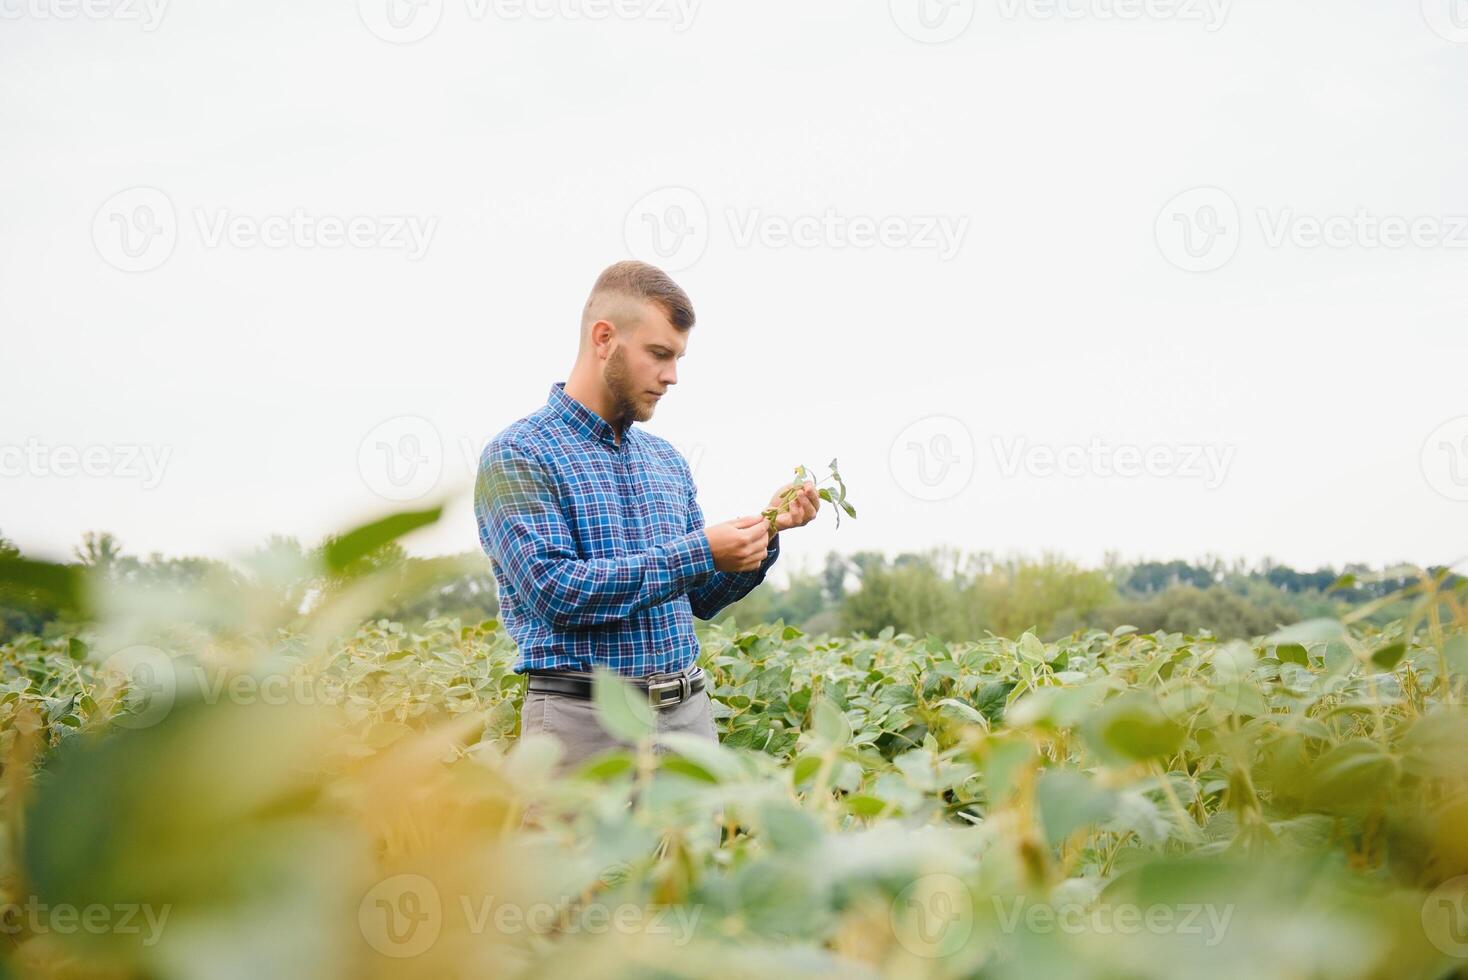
(575, 723)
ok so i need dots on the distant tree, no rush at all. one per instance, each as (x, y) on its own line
(99, 550)
(1151, 577)
(21, 612)
(910, 596)
(1188, 609)
(471, 597)
(835, 577)
(796, 604)
(1051, 596)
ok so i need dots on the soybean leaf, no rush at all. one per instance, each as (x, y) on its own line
(1389, 656)
(343, 550)
(1070, 800)
(623, 708)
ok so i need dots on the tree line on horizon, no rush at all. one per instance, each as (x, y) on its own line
(941, 592)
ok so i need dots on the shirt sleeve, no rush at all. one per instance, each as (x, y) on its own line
(524, 529)
(717, 590)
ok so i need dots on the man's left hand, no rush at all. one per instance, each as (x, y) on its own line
(803, 507)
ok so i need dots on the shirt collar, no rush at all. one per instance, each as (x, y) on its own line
(583, 419)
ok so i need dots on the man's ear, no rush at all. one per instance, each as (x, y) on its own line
(602, 334)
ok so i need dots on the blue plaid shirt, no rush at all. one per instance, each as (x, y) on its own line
(598, 549)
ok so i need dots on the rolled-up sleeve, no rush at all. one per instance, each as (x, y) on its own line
(523, 527)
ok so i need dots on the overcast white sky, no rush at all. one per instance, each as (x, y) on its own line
(939, 242)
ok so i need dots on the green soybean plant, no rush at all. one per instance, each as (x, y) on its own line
(833, 494)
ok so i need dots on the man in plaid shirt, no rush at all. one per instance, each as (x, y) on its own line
(594, 532)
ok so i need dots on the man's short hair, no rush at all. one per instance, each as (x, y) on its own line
(644, 282)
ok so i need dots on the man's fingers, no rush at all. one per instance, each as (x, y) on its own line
(748, 521)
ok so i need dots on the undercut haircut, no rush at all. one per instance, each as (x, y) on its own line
(644, 282)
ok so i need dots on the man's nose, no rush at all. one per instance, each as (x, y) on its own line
(670, 376)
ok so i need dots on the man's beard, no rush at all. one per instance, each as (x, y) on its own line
(627, 406)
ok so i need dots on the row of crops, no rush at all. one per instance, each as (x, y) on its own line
(219, 786)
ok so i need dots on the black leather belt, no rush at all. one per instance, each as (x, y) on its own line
(663, 690)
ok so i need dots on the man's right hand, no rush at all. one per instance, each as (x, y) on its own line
(739, 545)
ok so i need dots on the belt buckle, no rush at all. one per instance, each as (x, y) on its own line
(679, 684)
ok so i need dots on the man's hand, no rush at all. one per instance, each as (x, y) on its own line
(803, 507)
(739, 545)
